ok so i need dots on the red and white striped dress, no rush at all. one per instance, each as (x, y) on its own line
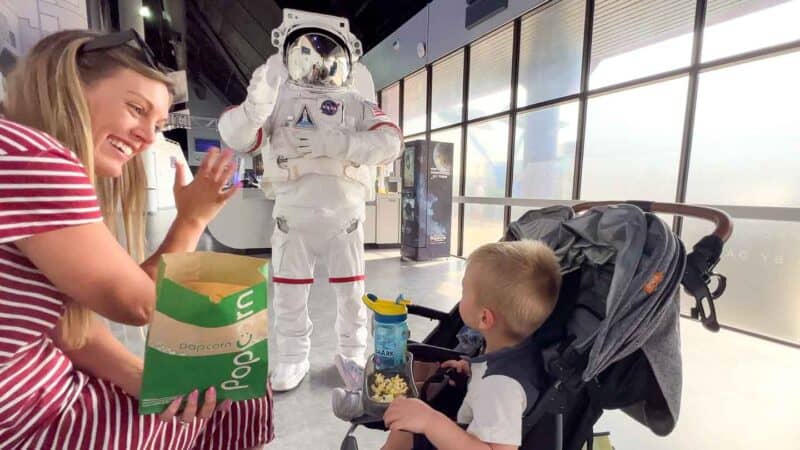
(45, 402)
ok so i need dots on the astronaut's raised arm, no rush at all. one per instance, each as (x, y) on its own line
(242, 127)
(238, 132)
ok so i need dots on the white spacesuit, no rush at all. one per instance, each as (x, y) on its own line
(320, 140)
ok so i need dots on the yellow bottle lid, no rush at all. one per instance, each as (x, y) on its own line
(386, 306)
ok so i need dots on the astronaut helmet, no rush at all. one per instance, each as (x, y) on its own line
(318, 50)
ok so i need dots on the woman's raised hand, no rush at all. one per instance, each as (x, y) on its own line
(199, 201)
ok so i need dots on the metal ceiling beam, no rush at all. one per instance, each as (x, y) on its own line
(197, 17)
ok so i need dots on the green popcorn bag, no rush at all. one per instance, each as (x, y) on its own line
(209, 329)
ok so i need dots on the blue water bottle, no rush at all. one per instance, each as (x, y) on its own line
(390, 331)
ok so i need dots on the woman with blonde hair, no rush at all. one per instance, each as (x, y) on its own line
(80, 109)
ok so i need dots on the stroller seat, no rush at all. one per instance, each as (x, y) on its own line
(612, 340)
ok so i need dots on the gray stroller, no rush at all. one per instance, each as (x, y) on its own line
(613, 340)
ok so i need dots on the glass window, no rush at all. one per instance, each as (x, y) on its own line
(550, 53)
(390, 101)
(447, 90)
(490, 73)
(487, 153)
(747, 118)
(482, 224)
(740, 26)
(454, 234)
(415, 89)
(544, 152)
(633, 39)
(633, 143)
(761, 261)
(453, 135)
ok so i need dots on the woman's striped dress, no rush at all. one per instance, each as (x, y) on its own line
(45, 402)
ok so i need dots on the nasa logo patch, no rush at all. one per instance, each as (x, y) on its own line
(329, 107)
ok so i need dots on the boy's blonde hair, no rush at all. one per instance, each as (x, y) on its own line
(518, 280)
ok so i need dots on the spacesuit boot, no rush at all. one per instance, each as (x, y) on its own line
(287, 376)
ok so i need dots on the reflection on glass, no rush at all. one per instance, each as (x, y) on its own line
(739, 127)
(551, 45)
(490, 73)
(633, 143)
(544, 152)
(390, 101)
(744, 25)
(633, 39)
(482, 224)
(414, 98)
(447, 90)
(487, 152)
(761, 261)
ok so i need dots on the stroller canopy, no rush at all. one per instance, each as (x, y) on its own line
(630, 266)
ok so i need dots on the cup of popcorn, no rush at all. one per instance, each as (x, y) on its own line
(381, 387)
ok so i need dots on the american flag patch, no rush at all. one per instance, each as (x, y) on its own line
(376, 110)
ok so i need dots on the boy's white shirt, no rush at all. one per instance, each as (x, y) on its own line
(493, 407)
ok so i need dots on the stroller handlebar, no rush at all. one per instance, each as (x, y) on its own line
(723, 226)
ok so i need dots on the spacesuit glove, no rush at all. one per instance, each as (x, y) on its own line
(262, 92)
(318, 143)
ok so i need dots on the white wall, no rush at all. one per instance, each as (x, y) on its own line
(211, 106)
(34, 19)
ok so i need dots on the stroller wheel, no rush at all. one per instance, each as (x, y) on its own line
(349, 443)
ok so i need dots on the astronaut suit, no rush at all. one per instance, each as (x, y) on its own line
(320, 139)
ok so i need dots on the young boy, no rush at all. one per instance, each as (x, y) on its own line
(508, 290)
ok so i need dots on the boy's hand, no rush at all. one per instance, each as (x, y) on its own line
(461, 366)
(409, 414)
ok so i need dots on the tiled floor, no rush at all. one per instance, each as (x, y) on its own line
(739, 392)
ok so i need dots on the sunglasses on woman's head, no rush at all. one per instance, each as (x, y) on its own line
(123, 38)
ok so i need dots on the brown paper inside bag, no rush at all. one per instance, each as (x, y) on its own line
(214, 290)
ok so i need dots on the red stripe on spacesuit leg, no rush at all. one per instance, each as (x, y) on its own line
(384, 124)
(259, 139)
(283, 280)
(347, 279)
